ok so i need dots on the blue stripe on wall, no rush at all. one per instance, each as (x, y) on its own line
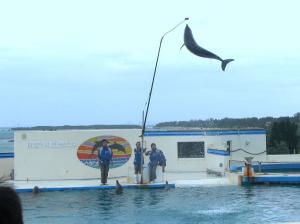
(7, 155)
(203, 133)
(218, 152)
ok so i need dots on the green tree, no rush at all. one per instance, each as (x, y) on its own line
(283, 133)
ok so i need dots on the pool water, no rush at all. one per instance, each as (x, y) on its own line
(233, 204)
(6, 141)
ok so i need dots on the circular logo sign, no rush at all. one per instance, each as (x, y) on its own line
(87, 152)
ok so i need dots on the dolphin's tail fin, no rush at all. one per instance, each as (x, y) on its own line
(225, 62)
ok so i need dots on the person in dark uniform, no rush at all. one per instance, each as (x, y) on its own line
(105, 155)
(162, 160)
(154, 157)
(138, 161)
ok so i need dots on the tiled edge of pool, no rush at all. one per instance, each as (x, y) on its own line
(234, 179)
(272, 179)
(101, 187)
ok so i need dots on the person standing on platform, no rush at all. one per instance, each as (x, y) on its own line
(154, 156)
(162, 160)
(105, 155)
(138, 161)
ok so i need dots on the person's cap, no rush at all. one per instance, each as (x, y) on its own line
(104, 140)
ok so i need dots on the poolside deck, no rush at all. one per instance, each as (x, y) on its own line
(178, 180)
(79, 185)
(191, 179)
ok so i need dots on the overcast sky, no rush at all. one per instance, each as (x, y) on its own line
(91, 62)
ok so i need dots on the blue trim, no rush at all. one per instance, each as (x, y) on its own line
(7, 155)
(101, 187)
(272, 180)
(271, 167)
(173, 133)
(235, 168)
(203, 133)
(218, 152)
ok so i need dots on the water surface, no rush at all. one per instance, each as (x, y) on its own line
(261, 204)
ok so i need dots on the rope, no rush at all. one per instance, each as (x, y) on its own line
(250, 153)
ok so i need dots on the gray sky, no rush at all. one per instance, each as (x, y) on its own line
(91, 62)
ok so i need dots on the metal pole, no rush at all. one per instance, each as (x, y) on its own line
(154, 73)
(153, 79)
(142, 153)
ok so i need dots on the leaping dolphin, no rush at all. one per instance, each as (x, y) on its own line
(193, 47)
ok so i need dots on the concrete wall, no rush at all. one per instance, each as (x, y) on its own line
(168, 144)
(41, 155)
(6, 166)
(249, 140)
(283, 158)
(254, 143)
(46, 155)
(217, 162)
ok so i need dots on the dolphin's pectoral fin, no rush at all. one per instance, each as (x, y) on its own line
(182, 46)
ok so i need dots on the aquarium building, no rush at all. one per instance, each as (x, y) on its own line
(72, 154)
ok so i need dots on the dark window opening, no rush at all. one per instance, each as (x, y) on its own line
(190, 149)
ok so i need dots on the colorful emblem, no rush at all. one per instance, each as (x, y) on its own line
(87, 152)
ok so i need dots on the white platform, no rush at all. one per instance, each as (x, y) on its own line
(174, 180)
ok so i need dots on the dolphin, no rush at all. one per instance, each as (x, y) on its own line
(119, 188)
(193, 47)
(36, 190)
(167, 186)
(118, 147)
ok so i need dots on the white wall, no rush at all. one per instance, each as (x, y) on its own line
(46, 155)
(6, 166)
(168, 144)
(252, 143)
(54, 155)
(284, 158)
(217, 163)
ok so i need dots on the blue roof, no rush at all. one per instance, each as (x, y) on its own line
(206, 132)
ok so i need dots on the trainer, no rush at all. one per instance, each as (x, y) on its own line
(105, 155)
